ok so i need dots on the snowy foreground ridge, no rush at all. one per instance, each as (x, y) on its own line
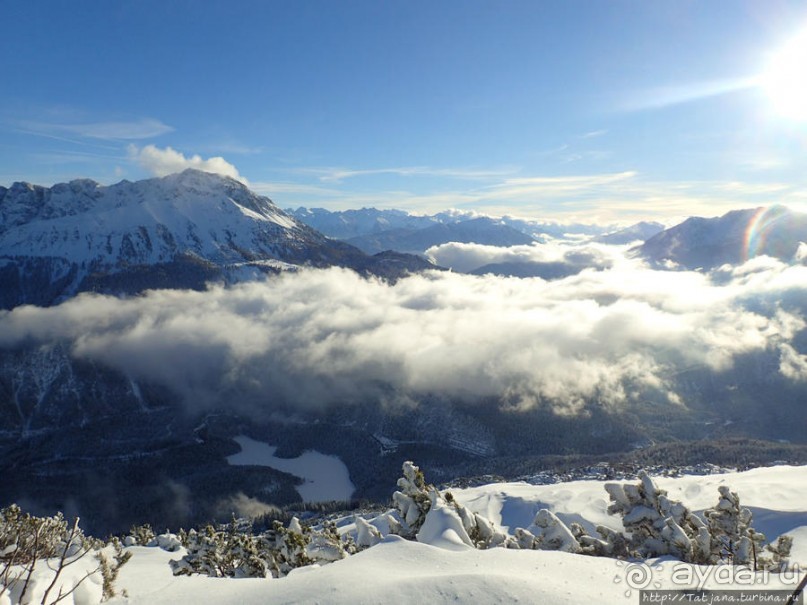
(440, 567)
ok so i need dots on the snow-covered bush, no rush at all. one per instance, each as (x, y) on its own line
(139, 535)
(734, 540)
(327, 546)
(290, 545)
(224, 552)
(367, 535)
(412, 500)
(610, 543)
(776, 555)
(232, 551)
(549, 533)
(416, 501)
(658, 525)
(27, 540)
(482, 532)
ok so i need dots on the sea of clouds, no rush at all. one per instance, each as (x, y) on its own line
(313, 338)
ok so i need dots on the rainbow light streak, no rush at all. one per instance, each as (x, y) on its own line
(758, 229)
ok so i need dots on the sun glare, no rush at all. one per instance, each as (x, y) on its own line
(785, 79)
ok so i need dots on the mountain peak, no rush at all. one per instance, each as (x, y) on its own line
(179, 230)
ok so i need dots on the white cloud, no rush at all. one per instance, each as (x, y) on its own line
(143, 128)
(604, 198)
(162, 162)
(792, 364)
(466, 257)
(331, 337)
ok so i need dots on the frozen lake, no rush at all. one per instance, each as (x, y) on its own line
(326, 477)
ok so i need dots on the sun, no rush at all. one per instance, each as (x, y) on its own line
(785, 79)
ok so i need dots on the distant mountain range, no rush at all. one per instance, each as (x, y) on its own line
(374, 230)
(482, 230)
(696, 243)
(182, 230)
(639, 232)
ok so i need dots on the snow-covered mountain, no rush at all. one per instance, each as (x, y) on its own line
(354, 223)
(481, 230)
(705, 243)
(195, 226)
(376, 227)
(642, 231)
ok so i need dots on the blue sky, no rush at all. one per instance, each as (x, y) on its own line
(573, 109)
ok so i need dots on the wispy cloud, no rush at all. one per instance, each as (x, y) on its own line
(161, 162)
(594, 134)
(143, 128)
(607, 197)
(554, 186)
(340, 174)
(231, 148)
(284, 187)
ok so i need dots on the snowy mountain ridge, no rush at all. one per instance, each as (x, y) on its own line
(178, 231)
(149, 221)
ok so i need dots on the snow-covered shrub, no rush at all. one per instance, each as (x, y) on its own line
(327, 546)
(232, 550)
(290, 545)
(610, 543)
(481, 531)
(550, 533)
(776, 555)
(27, 540)
(412, 500)
(167, 541)
(417, 501)
(658, 525)
(367, 535)
(734, 540)
(109, 569)
(139, 535)
(224, 552)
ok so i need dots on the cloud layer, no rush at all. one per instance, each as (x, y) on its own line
(467, 257)
(330, 337)
(161, 162)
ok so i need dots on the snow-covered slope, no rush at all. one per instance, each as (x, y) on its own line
(73, 236)
(400, 571)
(776, 495)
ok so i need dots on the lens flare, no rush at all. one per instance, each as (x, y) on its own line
(759, 228)
(785, 79)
